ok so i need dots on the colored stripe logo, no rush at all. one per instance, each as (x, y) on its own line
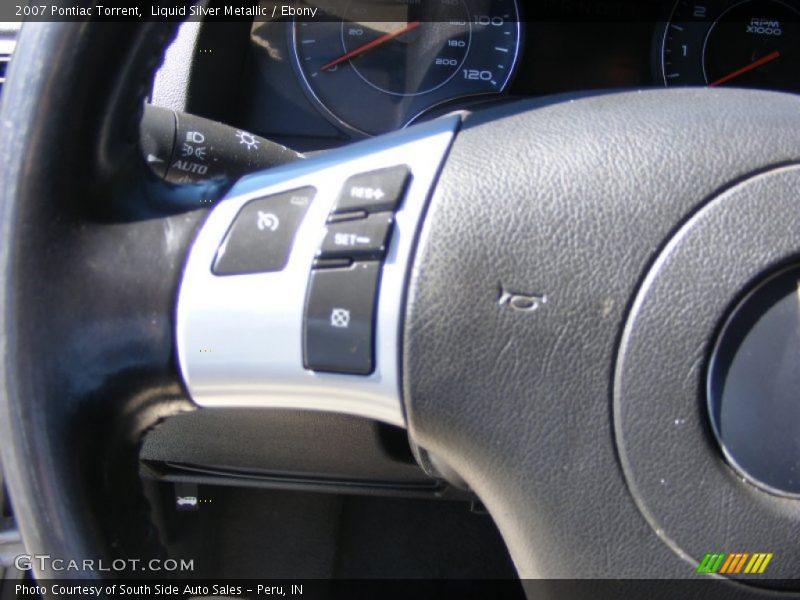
(735, 563)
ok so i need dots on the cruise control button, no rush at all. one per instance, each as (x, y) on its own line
(338, 329)
(260, 239)
(375, 191)
(362, 238)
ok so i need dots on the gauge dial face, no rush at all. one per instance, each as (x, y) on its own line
(733, 43)
(377, 65)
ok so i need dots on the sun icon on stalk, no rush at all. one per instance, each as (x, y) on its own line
(248, 139)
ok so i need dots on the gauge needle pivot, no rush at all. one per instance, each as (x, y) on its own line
(753, 65)
(370, 45)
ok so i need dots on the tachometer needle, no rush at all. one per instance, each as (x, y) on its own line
(370, 45)
(753, 65)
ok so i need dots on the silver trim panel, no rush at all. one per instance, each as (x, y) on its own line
(239, 338)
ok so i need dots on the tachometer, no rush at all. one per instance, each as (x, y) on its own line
(738, 43)
(378, 64)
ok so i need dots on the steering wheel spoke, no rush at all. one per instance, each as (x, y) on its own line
(293, 291)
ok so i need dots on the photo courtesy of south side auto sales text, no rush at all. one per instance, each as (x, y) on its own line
(140, 590)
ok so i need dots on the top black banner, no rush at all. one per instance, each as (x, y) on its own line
(333, 10)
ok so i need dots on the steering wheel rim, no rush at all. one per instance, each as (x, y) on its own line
(88, 167)
(588, 161)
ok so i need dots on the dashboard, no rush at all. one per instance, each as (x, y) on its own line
(364, 67)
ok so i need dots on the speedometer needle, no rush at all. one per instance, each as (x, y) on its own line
(370, 45)
(753, 65)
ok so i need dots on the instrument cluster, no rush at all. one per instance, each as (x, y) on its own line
(371, 66)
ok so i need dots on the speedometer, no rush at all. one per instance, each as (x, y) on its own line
(375, 65)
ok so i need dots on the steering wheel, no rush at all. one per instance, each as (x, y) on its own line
(547, 302)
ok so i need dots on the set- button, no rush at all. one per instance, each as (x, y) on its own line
(359, 239)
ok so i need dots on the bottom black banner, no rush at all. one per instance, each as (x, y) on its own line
(562, 589)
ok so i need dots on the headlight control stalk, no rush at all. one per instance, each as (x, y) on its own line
(184, 148)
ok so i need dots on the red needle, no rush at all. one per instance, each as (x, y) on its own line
(753, 65)
(370, 45)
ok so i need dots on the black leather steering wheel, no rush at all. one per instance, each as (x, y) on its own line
(632, 222)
